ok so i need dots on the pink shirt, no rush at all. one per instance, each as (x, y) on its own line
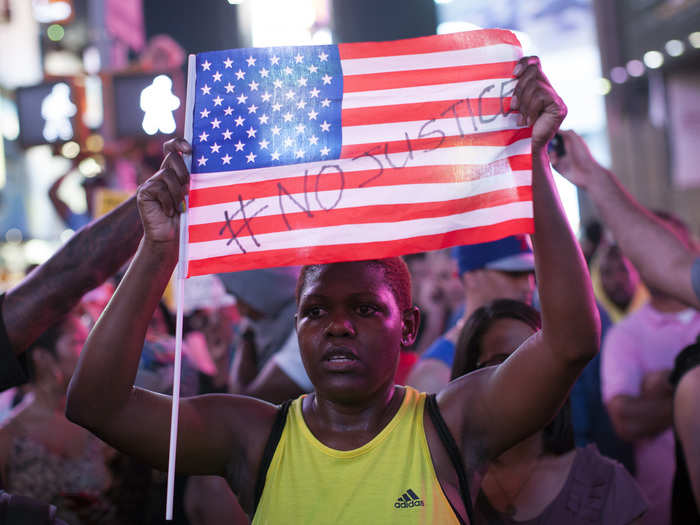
(647, 341)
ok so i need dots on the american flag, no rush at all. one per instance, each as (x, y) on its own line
(315, 154)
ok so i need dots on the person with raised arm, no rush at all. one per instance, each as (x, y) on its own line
(358, 448)
(663, 259)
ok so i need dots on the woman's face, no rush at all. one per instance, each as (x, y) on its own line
(501, 339)
(70, 343)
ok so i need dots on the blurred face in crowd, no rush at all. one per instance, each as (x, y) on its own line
(501, 339)
(618, 277)
(488, 285)
(351, 329)
(69, 344)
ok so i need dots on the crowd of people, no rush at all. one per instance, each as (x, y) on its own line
(515, 381)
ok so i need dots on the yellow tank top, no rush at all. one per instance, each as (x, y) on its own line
(391, 479)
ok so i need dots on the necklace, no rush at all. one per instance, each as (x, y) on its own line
(510, 508)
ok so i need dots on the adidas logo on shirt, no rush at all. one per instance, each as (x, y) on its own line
(408, 499)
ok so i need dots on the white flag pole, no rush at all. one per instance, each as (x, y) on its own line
(180, 298)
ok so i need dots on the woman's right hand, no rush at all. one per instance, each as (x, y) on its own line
(160, 198)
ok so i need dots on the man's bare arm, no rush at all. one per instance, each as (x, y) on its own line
(662, 259)
(515, 399)
(640, 417)
(94, 253)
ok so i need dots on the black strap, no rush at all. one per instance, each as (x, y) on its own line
(452, 450)
(270, 447)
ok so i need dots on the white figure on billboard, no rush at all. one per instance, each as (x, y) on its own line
(56, 110)
(158, 103)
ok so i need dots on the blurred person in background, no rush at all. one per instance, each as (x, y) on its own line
(637, 357)
(42, 454)
(91, 186)
(543, 479)
(488, 271)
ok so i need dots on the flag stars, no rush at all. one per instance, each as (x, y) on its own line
(206, 65)
(314, 93)
(313, 139)
(240, 75)
(203, 136)
(277, 83)
(290, 94)
(276, 106)
(239, 121)
(227, 134)
(299, 154)
(242, 98)
(325, 150)
(274, 60)
(288, 142)
(218, 100)
(250, 158)
(253, 85)
(264, 73)
(275, 130)
(323, 57)
(263, 118)
(251, 131)
(228, 63)
(287, 116)
(215, 148)
(239, 145)
(275, 155)
(251, 61)
(312, 115)
(264, 143)
(228, 111)
(252, 108)
(229, 87)
(325, 126)
(302, 81)
(215, 123)
(226, 159)
(204, 113)
(217, 77)
(300, 128)
(206, 90)
(312, 69)
(326, 79)
(202, 161)
(298, 59)
(287, 70)
(301, 104)
(266, 96)
(325, 103)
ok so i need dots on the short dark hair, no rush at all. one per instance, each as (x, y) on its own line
(558, 435)
(396, 275)
(46, 341)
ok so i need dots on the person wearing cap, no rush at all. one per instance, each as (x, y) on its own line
(267, 364)
(502, 269)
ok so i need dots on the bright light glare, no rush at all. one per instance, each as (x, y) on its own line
(653, 59)
(70, 150)
(604, 86)
(322, 37)
(37, 251)
(55, 32)
(290, 25)
(694, 39)
(66, 235)
(158, 103)
(13, 235)
(9, 122)
(674, 48)
(89, 167)
(91, 60)
(93, 115)
(57, 109)
(443, 1)
(618, 74)
(47, 12)
(455, 26)
(635, 68)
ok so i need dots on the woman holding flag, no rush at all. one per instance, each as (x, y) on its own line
(359, 448)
